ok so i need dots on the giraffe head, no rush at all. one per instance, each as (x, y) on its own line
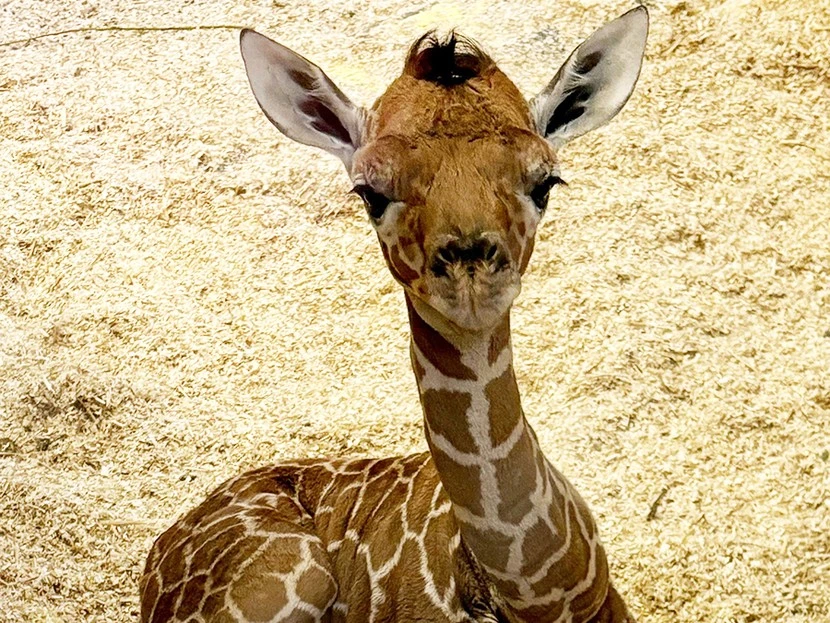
(453, 164)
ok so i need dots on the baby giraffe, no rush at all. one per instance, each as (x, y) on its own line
(455, 169)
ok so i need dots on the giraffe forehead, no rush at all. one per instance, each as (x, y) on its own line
(478, 107)
(477, 132)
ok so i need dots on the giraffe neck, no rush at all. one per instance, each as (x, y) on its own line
(518, 516)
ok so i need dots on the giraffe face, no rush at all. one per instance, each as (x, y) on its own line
(454, 165)
(456, 216)
(455, 179)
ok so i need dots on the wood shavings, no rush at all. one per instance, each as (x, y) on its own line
(184, 294)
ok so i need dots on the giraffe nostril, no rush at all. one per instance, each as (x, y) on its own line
(491, 251)
(448, 254)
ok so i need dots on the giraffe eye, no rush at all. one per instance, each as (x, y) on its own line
(541, 191)
(375, 202)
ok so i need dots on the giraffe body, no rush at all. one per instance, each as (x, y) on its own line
(310, 541)
(380, 540)
(341, 541)
(455, 168)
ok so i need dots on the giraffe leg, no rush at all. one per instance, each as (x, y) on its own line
(240, 565)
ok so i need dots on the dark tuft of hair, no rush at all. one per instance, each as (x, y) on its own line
(448, 62)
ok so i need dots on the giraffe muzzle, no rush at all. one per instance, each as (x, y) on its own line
(469, 255)
(471, 280)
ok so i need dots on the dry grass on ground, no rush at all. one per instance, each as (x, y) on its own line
(184, 294)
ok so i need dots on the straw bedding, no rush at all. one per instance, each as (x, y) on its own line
(184, 294)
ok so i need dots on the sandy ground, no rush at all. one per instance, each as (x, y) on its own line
(184, 294)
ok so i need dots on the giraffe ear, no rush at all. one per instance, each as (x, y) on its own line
(299, 99)
(595, 82)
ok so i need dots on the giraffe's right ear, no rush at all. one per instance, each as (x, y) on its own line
(299, 98)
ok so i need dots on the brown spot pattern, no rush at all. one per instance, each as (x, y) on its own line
(149, 588)
(505, 412)
(259, 596)
(590, 600)
(377, 518)
(444, 413)
(224, 568)
(444, 356)
(573, 567)
(192, 595)
(436, 543)
(462, 482)
(166, 604)
(419, 506)
(543, 614)
(316, 587)
(499, 340)
(215, 603)
(492, 549)
(405, 273)
(381, 550)
(516, 480)
(205, 553)
(279, 557)
(171, 568)
(539, 544)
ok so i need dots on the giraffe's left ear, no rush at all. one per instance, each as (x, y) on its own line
(595, 82)
(299, 98)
